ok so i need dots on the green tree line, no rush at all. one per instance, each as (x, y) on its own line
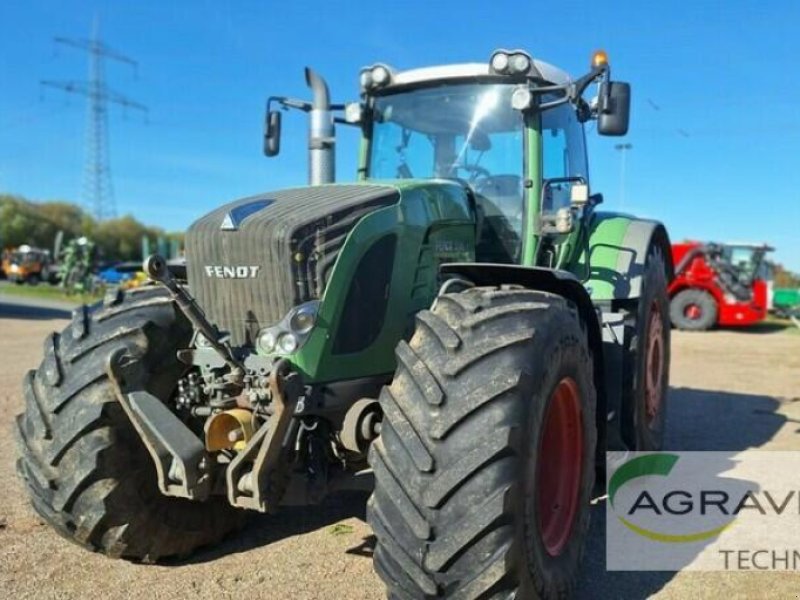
(38, 223)
(784, 278)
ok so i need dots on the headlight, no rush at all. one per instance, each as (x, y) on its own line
(380, 75)
(521, 99)
(287, 343)
(303, 319)
(499, 62)
(266, 341)
(353, 112)
(374, 77)
(513, 62)
(291, 333)
(520, 63)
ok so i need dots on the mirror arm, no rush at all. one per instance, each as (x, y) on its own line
(573, 92)
(579, 87)
(343, 121)
(287, 103)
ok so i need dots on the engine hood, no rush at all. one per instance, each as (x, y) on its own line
(250, 261)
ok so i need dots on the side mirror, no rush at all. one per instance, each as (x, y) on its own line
(614, 108)
(272, 133)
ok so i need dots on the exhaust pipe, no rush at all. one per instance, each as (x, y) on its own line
(321, 135)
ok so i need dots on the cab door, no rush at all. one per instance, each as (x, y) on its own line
(563, 165)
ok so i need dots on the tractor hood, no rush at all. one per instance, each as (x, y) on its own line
(249, 262)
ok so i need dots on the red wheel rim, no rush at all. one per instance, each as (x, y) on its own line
(693, 312)
(560, 466)
(654, 365)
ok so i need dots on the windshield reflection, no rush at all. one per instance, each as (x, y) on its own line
(467, 132)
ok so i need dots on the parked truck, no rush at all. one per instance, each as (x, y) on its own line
(27, 264)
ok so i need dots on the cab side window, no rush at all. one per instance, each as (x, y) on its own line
(563, 154)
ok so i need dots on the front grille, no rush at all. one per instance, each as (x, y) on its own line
(294, 239)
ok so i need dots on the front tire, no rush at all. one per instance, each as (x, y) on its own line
(485, 463)
(693, 310)
(86, 470)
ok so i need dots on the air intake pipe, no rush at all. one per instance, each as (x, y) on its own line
(321, 134)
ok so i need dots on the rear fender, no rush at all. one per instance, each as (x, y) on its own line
(618, 247)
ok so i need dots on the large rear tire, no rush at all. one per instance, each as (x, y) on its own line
(86, 470)
(647, 359)
(485, 463)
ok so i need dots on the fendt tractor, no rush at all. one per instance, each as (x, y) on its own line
(461, 330)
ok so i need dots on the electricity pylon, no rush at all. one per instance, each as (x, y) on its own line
(98, 190)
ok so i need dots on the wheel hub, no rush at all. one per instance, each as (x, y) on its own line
(654, 366)
(559, 466)
(693, 312)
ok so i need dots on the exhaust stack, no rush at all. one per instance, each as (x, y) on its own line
(321, 135)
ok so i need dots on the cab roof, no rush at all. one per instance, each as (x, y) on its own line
(753, 245)
(549, 73)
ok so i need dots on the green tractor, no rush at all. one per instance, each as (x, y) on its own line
(461, 331)
(77, 260)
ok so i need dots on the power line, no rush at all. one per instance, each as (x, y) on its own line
(98, 190)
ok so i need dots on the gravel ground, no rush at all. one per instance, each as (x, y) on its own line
(730, 391)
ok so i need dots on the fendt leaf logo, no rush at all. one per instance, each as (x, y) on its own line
(659, 464)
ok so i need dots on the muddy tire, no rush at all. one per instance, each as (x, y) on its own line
(647, 359)
(485, 462)
(693, 310)
(86, 470)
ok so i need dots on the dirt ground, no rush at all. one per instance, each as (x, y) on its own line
(730, 390)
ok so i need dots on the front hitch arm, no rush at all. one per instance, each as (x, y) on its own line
(156, 268)
(256, 478)
(180, 459)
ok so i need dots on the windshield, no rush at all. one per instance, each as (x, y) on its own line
(744, 259)
(467, 132)
(23, 257)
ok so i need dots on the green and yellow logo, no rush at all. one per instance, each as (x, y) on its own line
(660, 465)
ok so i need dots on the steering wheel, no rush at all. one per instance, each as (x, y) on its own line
(475, 171)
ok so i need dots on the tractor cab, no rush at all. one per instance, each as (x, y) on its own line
(747, 260)
(509, 130)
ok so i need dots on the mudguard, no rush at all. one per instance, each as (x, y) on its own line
(617, 250)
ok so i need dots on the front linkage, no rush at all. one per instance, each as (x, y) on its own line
(256, 477)
(251, 404)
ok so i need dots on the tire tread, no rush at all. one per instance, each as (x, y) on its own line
(86, 471)
(448, 454)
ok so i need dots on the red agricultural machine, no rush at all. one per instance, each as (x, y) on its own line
(718, 284)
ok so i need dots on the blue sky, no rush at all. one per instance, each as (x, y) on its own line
(715, 127)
